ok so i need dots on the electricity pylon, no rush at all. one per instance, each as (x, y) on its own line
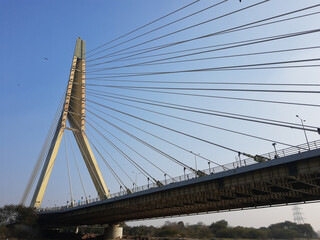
(297, 215)
(73, 111)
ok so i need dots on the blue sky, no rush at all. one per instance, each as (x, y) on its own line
(32, 86)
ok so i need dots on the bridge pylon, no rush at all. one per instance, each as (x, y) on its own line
(73, 111)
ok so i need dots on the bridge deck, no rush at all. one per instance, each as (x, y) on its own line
(284, 180)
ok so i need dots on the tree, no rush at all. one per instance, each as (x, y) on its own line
(198, 231)
(180, 224)
(139, 231)
(257, 234)
(3, 232)
(291, 230)
(17, 214)
(306, 230)
(218, 226)
(279, 233)
(12, 215)
(220, 229)
(167, 231)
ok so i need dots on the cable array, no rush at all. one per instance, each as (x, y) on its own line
(201, 85)
(150, 81)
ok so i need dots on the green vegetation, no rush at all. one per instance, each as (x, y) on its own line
(221, 229)
(17, 221)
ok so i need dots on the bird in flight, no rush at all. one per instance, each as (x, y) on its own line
(46, 58)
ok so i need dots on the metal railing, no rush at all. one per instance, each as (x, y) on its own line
(241, 163)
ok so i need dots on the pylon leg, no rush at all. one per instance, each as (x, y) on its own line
(47, 168)
(74, 112)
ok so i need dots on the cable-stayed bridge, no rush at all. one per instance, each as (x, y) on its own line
(189, 85)
(289, 179)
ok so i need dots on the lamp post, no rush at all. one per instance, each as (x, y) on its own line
(195, 159)
(275, 150)
(304, 130)
(165, 179)
(135, 179)
(209, 167)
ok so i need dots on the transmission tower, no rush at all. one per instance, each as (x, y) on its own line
(297, 215)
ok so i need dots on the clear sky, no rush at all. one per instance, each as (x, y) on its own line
(37, 43)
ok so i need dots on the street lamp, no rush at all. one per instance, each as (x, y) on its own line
(275, 150)
(195, 159)
(304, 130)
(135, 182)
(239, 157)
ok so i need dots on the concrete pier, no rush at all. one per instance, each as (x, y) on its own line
(112, 232)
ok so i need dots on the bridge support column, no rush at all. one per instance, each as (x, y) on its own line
(112, 232)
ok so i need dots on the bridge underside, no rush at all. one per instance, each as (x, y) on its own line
(287, 180)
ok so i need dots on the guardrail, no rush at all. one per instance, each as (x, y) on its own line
(241, 163)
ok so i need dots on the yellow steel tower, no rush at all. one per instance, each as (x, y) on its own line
(74, 112)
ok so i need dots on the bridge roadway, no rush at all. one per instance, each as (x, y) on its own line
(284, 180)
